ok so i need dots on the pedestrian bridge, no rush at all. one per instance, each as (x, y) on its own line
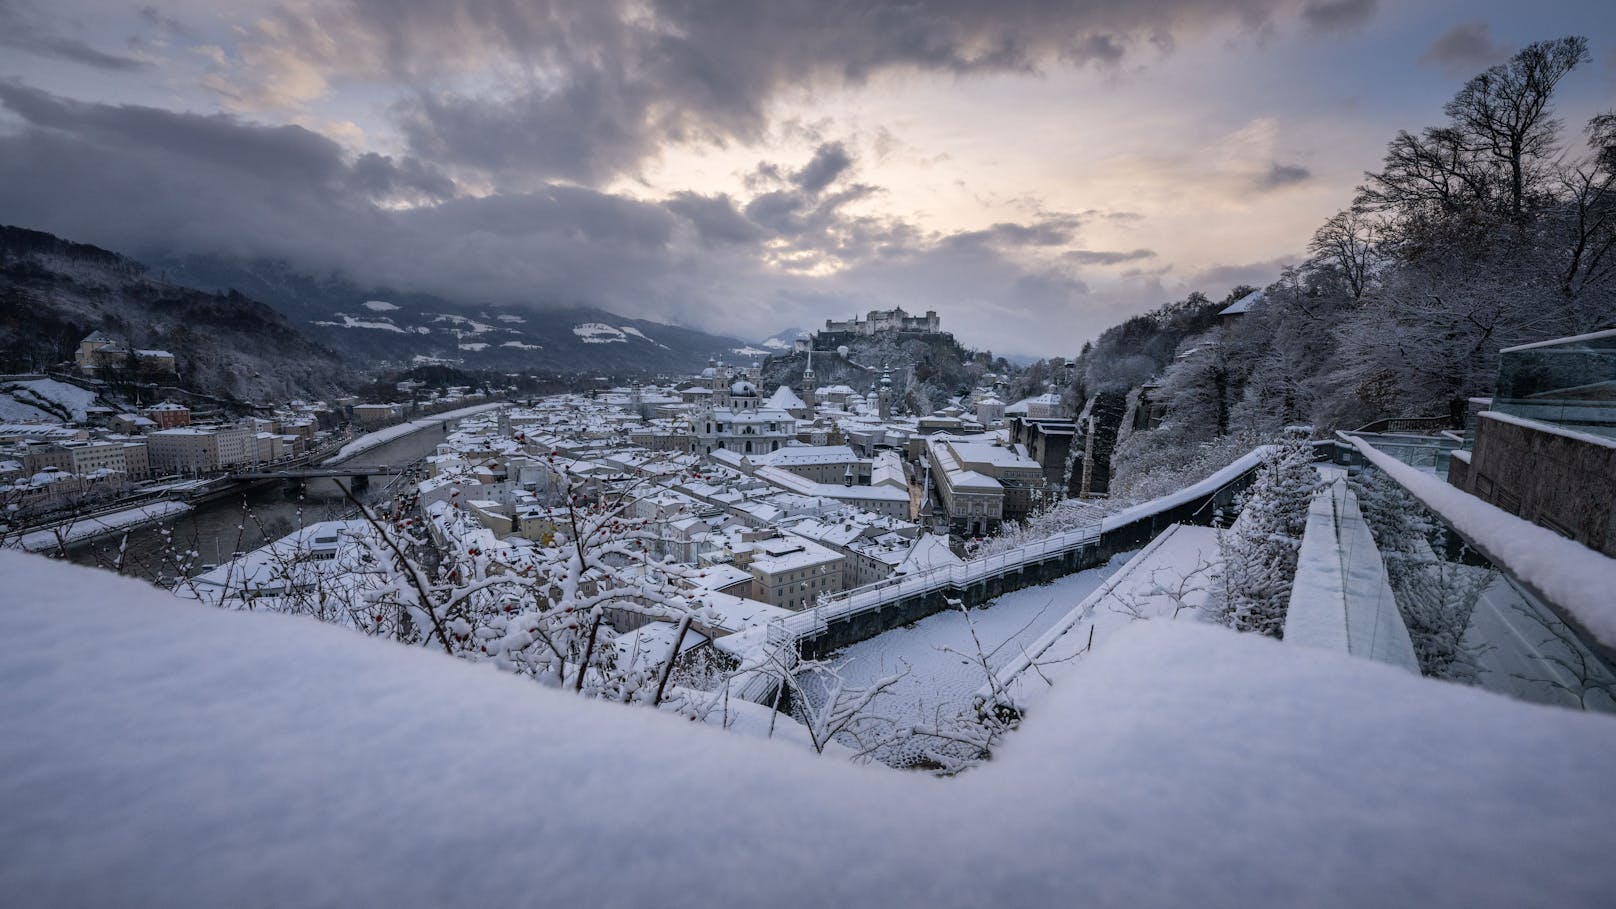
(309, 473)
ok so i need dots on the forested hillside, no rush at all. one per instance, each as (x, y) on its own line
(53, 292)
(1496, 226)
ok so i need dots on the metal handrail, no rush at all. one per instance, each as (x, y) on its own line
(875, 595)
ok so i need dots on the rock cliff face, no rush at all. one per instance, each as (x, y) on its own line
(53, 292)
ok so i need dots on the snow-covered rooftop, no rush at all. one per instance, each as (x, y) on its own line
(1243, 305)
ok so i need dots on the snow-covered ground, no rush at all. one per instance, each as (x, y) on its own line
(940, 679)
(86, 528)
(381, 437)
(599, 333)
(20, 400)
(1170, 578)
(13, 410)
(631, 330)
(160, 753)
(381, 323)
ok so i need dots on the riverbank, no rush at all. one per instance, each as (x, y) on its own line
(84, 529)
(246, 517)
(380, 437)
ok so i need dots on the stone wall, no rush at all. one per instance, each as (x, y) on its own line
(1562, 482)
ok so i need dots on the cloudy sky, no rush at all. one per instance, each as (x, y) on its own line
(1034, 171)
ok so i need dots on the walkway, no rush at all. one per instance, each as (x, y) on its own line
(864, 612)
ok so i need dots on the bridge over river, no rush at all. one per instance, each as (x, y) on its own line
(308, 473)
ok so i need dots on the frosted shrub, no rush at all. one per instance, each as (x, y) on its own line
(1259, 550)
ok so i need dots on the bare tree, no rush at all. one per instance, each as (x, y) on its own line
(1347, 241)
(1506, 114)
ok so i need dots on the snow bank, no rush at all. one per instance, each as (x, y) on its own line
(1171, 573)
(1586, 438)
(88, 528)
(381, 437)
(194, 757)
(1564, 572)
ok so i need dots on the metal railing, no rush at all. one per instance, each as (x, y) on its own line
(873, 596)
(779, 645)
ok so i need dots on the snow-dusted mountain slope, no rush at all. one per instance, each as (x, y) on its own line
(393, 326)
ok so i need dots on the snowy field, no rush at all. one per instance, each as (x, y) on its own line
(19, 400)
(145, 762)
(940, 681)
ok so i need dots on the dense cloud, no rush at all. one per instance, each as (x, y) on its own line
(1105, 257)
(1281, 175)
(584, 91)
(828, 163)
(507, 150)
(1334, 14)
(149, 182)
(1465, 47)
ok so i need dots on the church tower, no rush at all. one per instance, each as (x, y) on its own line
(886, 394)
(809, 382)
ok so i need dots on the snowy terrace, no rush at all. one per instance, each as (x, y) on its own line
(1341, 598)
(937, 655)
(777, 642)
(1179, 765)
(1170, 578)
(873, 596)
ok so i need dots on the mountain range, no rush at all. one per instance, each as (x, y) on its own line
(254, 329)
(400, 328)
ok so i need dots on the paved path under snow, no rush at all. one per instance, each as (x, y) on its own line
(942, 681)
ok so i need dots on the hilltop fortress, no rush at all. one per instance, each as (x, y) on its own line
(877, 321)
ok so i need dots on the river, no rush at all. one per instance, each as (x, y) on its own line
(210, 533)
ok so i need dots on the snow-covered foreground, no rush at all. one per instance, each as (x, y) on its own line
(380, 437)
(942, 681)
(86, 528)
(160, 753)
